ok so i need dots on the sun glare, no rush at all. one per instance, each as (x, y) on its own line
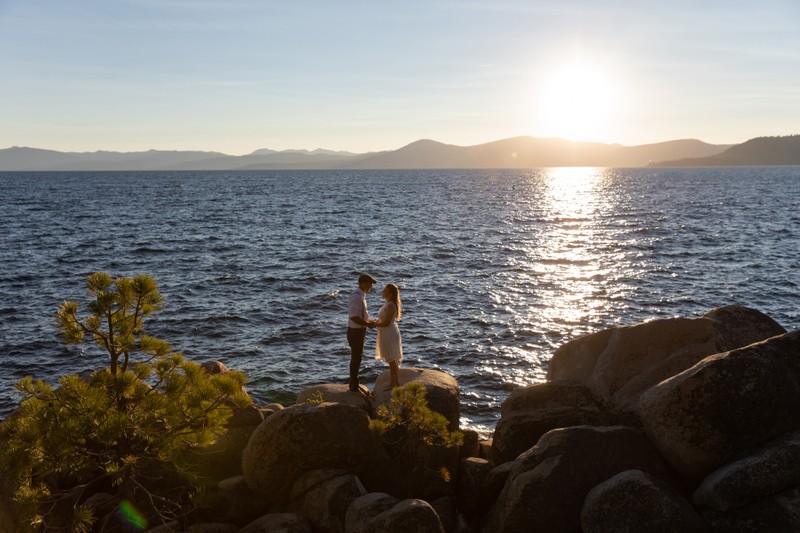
(576, 102)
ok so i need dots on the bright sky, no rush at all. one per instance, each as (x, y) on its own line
(366, 75)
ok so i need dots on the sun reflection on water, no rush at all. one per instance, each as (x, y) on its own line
(557, 284)
(569, 256)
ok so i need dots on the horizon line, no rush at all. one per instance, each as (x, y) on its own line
(423, 139)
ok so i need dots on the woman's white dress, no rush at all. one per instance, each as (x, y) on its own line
(388, 344)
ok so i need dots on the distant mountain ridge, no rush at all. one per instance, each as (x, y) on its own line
(515, 152)
(531, 152)
(761, 151)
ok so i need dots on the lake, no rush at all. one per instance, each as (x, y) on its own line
(496, 269)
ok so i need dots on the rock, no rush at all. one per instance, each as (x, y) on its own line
(462, 526)
(470, 448)
(383, 474)
(744, 326)
(101, 503)
(105, 506)
(308, 481)
(442, 391)
(401, 516)
(496, 479)
(549, 483)
(620, 363)
(237, 503)
(278, 523)
(632, 501)
(725, 405)
(303, 438)
(427, 473)
(542, 396)
(250, 416)
(471, 487)
(771, 470)
(170, 527)
(485, 449)
(446, 509)
(779, 513)
(334, 393)
(218, 461)
(326, 504)
(212, 527)
(530, 412)
(215, 367)
(365, 508)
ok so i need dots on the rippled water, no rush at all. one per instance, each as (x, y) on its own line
(496, 268)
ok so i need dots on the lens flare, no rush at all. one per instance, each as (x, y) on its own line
(132, 516)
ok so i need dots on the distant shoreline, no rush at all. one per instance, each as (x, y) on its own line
(513, 153)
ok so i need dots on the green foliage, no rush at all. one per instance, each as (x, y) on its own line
(119, 430)
(417, 438)
(409, 417)
(117, 317)
(317, 397)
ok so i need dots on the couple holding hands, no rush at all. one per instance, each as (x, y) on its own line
(388, 344)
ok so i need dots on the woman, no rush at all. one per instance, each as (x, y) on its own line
(388, 344)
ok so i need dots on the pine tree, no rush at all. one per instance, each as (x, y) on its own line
(121, 429)
(417, 438)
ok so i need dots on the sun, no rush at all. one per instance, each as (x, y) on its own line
(576, 101)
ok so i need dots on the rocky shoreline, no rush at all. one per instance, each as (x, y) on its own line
(670, 425)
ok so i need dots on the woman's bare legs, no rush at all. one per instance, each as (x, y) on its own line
(394, 373)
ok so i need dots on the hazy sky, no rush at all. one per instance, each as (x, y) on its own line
(238, 75)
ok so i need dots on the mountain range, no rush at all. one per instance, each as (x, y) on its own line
(516, 152)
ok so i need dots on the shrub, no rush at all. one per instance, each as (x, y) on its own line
(119, 430)
(419, 441)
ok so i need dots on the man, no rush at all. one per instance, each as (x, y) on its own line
(357, 324)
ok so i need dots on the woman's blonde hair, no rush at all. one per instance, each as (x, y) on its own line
(394, 296)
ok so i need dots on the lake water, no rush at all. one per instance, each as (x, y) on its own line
(496, 268)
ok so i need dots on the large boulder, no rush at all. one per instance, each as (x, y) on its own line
(326, 504)
(778, 513)
(771, 470)
(743, 325)
(308, 481)
(365, 508)
(446, 509)
(236, 503)
(471, 446)
(620, 363)
(334, 392)
(218, 461)
(400, 517)
(303, 438)
(471, 489)
(442, 391)
(249, 416)
(725, 405)
(530, 412)
(496, 479)
(549, 483)
(633, 501)
(278, 523)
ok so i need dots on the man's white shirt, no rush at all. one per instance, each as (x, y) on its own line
(357, 306)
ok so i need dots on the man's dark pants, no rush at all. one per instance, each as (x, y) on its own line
(355, 338)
